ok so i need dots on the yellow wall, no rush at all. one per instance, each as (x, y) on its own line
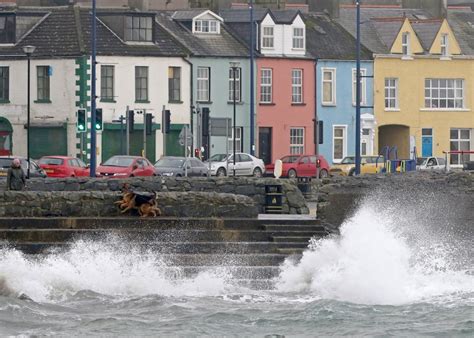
(411, 76)
(453, 46)
(415, 46)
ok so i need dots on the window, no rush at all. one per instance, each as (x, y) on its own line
(238, 140)
(141, 84)
(138, 28)
(238, 87)
(297, 86)
(444, 45)
(206, 26)
(267, 37)
(444, 93)
(363, 82)
(107, 74)
(339, 143)
(460, 139)
(42, 79)
(391, 93)
(174, 84)
(329, 86)
(266, 86)
(203, 84)
(7, 28)
(298, 38)
(296, 141)
(406, 44)
(363, 149)
(4, 84)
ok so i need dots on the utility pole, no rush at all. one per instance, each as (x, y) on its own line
(357, 129)
(252, 98)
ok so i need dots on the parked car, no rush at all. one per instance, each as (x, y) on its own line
(63, 166)
(300, 166)
(368, 165)
(125, 166)
(430, 163)
(245, 165)
(180, 166)
(6, 162)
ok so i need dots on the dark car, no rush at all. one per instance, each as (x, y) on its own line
(180, 166)
(6, 162)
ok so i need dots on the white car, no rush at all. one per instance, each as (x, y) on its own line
(430, 163)
(245, 165)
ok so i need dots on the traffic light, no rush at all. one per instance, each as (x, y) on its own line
(131, 120)
(318, 163)
(81, 125)
(148, 123)
(318, 132)
(98, 119)
(167, 122)
(205, 121)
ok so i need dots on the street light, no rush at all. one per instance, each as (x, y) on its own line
(28, 50)
(234, 66)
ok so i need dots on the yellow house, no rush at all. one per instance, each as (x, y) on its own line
(423, 88)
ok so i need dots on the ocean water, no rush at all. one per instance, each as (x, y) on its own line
(385, 274)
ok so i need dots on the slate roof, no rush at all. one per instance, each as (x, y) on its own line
(242, 15)
(462, 25)
(224, 44)
(187, 15)
(426, 31)
(326, 39)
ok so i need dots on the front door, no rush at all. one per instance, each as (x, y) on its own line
(426, 142)
(265, 144)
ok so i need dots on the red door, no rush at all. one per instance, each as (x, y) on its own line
(5, 143)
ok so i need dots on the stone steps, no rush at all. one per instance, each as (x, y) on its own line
(229, 272)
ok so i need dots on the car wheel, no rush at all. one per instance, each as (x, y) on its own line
(323, 173)
(352, 172)
(292, 173)
(131, 176)
(221, 172)
(257, 172)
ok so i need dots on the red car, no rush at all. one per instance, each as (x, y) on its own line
(300, 166)
(63, 166)
(126, 166)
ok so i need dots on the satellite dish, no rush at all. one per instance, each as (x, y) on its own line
(278, 168)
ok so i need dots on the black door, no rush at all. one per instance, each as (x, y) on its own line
(265, 144)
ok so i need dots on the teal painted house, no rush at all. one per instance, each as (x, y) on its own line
(215, 56)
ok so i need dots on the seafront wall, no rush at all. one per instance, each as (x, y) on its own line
(180, 197)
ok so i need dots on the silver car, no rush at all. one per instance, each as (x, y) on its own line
(245, 165)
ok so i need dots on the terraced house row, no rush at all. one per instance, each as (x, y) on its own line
(417, 84)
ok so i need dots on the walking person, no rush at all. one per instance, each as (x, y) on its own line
(16, 177)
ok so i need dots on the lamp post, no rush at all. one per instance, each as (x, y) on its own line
(28, 50)
(234, 66)
(358, 89)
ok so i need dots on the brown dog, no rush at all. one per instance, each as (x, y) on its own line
(128, 199)
(145, 204)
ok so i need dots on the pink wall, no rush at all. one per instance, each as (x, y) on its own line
(282, 115)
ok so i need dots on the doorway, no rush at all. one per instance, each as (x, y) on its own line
(265, 144)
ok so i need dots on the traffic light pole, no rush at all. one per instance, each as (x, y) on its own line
(144, 132)
(127, 140)
(93, 93)
(163, 127)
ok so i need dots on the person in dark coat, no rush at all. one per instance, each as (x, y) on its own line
(15, 177)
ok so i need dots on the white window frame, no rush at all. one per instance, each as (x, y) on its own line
(406, 48)
(333, 86)
(344, 142)
(444, 45)
(387, 96)
(458, 140)
(206, 26)
(297, 143)
(238, 88)
(267, 97)
(268, 40)
(203, 87)
(238, 140)
(438, 91)
(363, 87)
(298, 41)
(297, 86)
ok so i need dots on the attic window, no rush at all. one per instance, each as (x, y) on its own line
(406, 44)
(7, 28)
(444, 45)
(206, 26)
(138, 28)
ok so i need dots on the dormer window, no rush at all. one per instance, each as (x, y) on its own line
(138, 28)
(206, 26)
(444, 45)
(267, 37)
(7, 28)
(406, 44)
(298, 38)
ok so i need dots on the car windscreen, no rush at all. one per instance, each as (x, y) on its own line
(218, 157)
(5, 162)
(119, 162)
(348, 160)
(289, 159)
(51, 161)
(420, 160)
(170, 163)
